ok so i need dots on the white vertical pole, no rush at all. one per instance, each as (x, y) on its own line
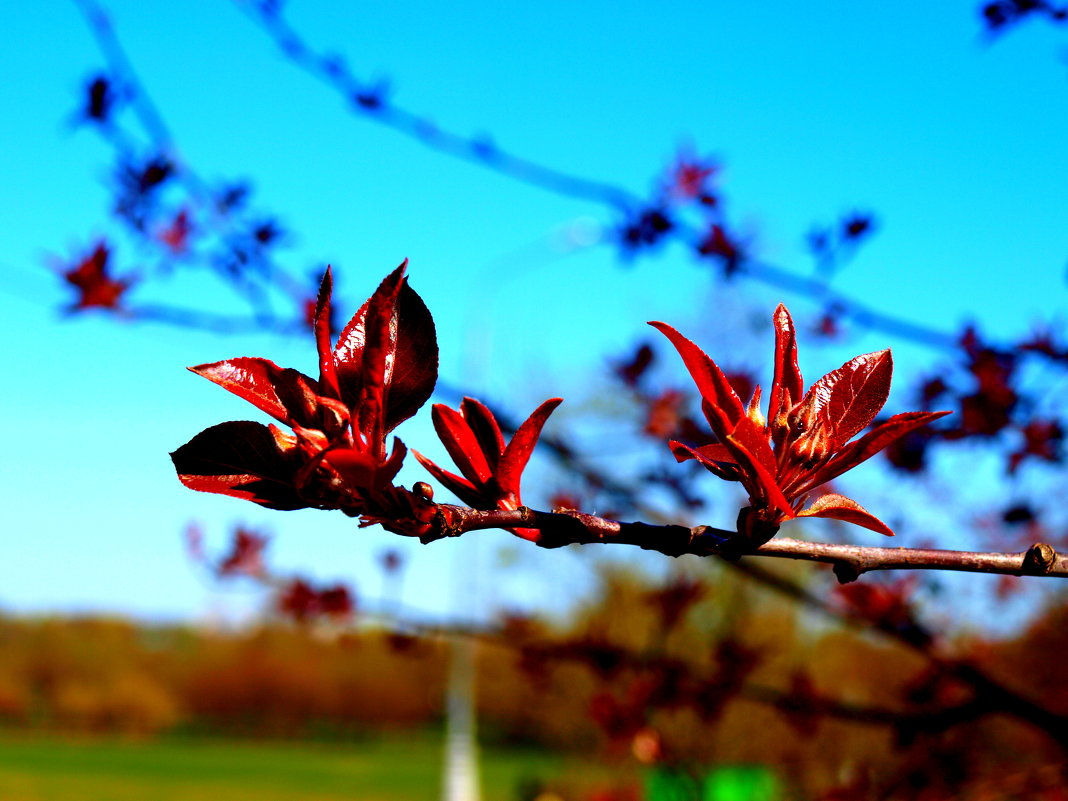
(461, 781)
(461, 747)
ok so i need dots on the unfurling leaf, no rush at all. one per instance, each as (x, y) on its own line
(491, 470)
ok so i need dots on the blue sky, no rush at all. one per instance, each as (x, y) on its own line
(955, 143)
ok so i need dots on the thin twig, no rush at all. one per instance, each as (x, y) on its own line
(566, 527)
(369, 101)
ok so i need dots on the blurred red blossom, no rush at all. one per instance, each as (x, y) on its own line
(887, 604)
(304, 602)
(717, 243)
(177, 233)
(688, 180)
(246, 555)
(664, 413)
(1042, 439)
(96, 287)
(632, 370)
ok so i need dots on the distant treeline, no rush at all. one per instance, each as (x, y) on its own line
(100, 675)
(729, 676)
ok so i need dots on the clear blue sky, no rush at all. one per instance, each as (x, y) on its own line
(814, 109)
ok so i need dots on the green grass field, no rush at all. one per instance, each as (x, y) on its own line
(397, 768)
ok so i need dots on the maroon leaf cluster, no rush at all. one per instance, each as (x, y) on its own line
(303, 602)
(686, 202)
(804, 442)
(986, 389)
(246, 555)
(379, 373)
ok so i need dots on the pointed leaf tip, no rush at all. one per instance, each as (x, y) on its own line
(723, 402)
(321, 324)
(285, 394)
(838, 507)
(787, 386)
(517, 452)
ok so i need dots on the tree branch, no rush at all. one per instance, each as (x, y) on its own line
(568, 527)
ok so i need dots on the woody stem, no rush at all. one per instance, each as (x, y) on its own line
(567, 527)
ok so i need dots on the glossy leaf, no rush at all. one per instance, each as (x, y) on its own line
(484, 426)
(870, 444)
(387, 355)
(839, 507)
(461, 443)
(379, 352)
(859, 390)
(518, 451)
(241, 459)
(749, 444)
(715, 458)
(285, 394)
(414, 368)
(724, 405)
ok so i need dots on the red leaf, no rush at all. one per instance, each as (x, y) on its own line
(379, 352)
(715, 458)
(786, 382)
(848, 395)
(749, 444)
(461, 443)
(726, 407)
(241, 459)
(839, 507)
(460, 487)
(286, 394)
(484, 426)
(517, 453)
(858, 392)
(413, 371)
(348, 354)
(870, 444)
(714, 453)
(387, 356)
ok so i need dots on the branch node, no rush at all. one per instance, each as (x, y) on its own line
(443, 526)
(846, 572)
(1039, 558)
